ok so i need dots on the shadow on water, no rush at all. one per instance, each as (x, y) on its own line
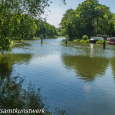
(86, 67)
(12, 93)
(13, 96)
(15, 58)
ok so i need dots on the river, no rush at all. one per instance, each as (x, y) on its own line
(78, 78)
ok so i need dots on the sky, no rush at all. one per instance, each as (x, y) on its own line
(58, 9)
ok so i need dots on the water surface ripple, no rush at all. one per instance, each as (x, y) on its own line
(78, 78)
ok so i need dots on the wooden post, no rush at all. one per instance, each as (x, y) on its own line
(104, 43)
(66, 41)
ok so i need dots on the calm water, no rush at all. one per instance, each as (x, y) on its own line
(79, 78)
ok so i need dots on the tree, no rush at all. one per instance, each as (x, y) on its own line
(14, 11)
(90, 18)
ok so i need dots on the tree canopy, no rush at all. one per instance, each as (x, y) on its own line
(90, 18)
(22, 19)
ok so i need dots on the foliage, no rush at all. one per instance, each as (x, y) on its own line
(34, 38)
(17, 41)
(21, 19)
(77, 40)
(90, 18)
(100, 42)
(82, 41)
(84, 65)
(87, 41)
(59, 31)
(107, 42)
(85, 37)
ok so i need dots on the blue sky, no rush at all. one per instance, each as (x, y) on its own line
(57, 10)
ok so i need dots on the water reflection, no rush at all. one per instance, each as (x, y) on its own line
(113, 66)
(11, 58)
(86, 67)
(91, 45)
(13, 96)
(12, 92)
(8, 60)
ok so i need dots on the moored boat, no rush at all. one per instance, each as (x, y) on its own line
(112, 41)
(95, 39)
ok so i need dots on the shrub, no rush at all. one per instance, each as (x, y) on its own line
(17, 41)
(85, 37)
(100, 42)
(81, 41)
(107, 41)
(87, 41)
(76, 40)
(34, 38)
(11, 43)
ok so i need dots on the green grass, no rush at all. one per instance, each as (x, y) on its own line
(62, 44)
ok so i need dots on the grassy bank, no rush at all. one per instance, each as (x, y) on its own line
(52, 37)
(28, 38)
(34, 38)
(18, 43)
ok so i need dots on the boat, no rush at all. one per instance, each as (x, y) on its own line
(112, 41)
(95, 39)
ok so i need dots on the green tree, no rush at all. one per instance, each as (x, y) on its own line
(90, 18)
(13, 12)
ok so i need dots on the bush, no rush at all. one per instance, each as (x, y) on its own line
(18, 41)
(85, 37)
(107, 41)
(34, 38)
(100, 42)
(11, 43)
(82, 41)
(87, 41)
(76, 40)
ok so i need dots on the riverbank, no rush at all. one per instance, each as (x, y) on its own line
(29, 38)
(18, 43)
